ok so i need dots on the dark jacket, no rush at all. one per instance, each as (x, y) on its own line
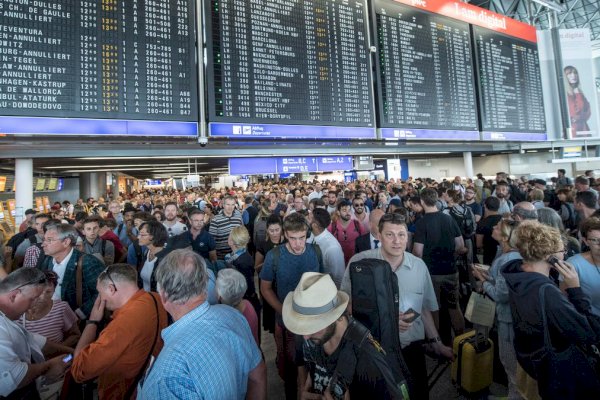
(159, 257)
(362, 243)
(569, 319)
(92, 267)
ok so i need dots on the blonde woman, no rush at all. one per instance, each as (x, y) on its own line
(241, 260)
(550, 328)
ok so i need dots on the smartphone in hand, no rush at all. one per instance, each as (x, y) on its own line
(411, 319)
(553, 261)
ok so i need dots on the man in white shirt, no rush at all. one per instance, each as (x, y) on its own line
(416, 293)
(21, 352)
(333, 255)
(172, 224)
(317, 194)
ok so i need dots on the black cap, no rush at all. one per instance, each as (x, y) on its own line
(129, 207)
(30, 211)
(540, 182)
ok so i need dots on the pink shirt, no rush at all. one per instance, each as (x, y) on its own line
(252, 319)
(347, 237)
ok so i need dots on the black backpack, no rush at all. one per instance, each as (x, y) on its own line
(465, 220)
(345, 369)
(375, 304)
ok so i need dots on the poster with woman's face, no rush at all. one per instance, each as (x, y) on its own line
(580, 91)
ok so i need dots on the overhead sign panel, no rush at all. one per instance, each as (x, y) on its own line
(299, 62)
(97, 61)
(288, 165)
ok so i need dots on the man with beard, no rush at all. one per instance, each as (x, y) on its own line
(502, 193)
(340, 355)
(172, 224)
(331, 201)
(346, 229)
(475, 206)
(360, 212)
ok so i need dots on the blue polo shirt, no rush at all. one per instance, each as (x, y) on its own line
(203, 244)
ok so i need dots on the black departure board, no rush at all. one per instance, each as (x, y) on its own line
(509, 83)
(98, 59)
(424, 69)
(295, 62)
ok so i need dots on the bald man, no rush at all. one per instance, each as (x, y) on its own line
(523, 211)
(370, 241)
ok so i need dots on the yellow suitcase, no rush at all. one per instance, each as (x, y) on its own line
(472, 369)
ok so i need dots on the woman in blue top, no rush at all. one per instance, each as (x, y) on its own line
(587, 264)
(494, 285)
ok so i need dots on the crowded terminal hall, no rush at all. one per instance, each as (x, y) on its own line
(299, 199)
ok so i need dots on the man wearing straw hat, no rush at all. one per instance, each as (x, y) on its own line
(340, 354)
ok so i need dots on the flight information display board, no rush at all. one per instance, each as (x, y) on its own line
(289, 165)
(276, 64)
(425, 85)
(105, 61)
(510, 87)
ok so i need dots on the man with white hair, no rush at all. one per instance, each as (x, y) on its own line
(340, 354)
(208, 352)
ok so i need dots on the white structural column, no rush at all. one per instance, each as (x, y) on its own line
(468, 159)
(24, 188)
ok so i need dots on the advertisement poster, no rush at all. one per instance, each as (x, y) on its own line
(579, 82)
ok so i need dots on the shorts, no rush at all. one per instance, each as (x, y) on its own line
(446, 290)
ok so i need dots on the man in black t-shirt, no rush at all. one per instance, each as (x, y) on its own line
(340, 355)
(438, 241)
(483, 235)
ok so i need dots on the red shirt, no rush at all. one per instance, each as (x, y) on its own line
(119, 248)
(347, 237)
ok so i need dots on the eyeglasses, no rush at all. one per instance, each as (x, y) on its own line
(595, 241)
(359, 204)
(39, 281)
(50, 240)
(107, 272)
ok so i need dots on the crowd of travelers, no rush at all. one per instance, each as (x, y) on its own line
(163, 294)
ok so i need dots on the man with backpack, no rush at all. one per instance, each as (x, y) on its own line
(345, 228)
(416, 300)
(93, 245)
(340, 354)
(281, 272)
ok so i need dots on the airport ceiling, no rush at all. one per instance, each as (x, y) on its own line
(154, 160)
(576, 14)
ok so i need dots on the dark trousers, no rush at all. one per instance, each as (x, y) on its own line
(414, 356)
(286, 360)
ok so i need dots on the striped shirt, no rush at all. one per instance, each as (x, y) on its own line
(220, 228)
(54, 325)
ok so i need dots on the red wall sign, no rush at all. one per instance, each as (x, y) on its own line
(476, 16)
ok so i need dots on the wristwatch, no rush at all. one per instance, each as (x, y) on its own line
(92, 322)
(436, 339)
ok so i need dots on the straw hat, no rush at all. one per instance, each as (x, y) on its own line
(313, 305)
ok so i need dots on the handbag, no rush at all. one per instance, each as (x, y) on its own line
(481, 310)
(565, 374)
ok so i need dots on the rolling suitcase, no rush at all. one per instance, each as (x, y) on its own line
(472, 369)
